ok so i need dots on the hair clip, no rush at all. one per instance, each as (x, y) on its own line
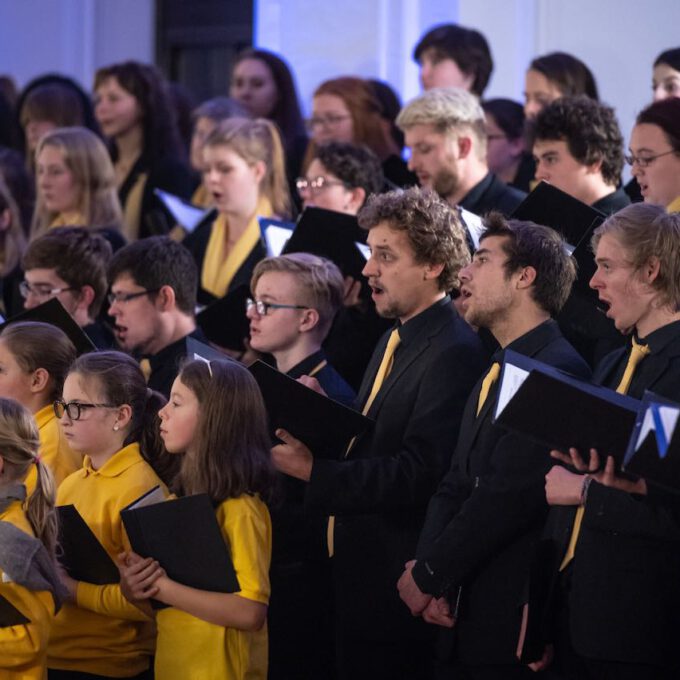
(37, 459)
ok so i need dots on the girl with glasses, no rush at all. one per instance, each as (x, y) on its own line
(107, 413)
(655, 153)
(216, 419)
(29, 582)
(34, 360)
(244, 172)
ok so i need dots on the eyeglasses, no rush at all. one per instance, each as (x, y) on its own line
(644, 161)
(40, 291)
(316, 184)
(262, 307)
(126, 297)
(329, 121)
(74, 408)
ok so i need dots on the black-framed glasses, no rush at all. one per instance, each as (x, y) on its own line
(316, 183)
(644, 161)
(40, 291)
(262, 307)
(126, 297)
(74, 409)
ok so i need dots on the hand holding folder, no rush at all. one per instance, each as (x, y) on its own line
(562, 412)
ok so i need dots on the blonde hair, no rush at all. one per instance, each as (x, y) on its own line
(87, 158)
(449, 110)
(647, 231)
(19, 444)
(319, 282)
(257, 140)
(12, 239)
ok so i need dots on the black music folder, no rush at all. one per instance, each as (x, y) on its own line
(224, 322)
(324, 425)
(53, 313)
(183, 536)
(10, 615)
(560, 411)
(654, 448)
(332, 235)
(80, 552)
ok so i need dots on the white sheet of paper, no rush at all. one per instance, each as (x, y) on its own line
(187, 215)
(669, 420)
(512, 380)
(276, 238)
(363, 249)
(474, 225)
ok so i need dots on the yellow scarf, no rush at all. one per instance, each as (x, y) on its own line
(68, 219)
(221, 264)
(674, 205)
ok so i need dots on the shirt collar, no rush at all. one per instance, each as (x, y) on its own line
(117, 464)
(477, 191)
(529, 343)
(413, 327)
(307, 365)
(44, 416)
(659, 339)
(175, 349)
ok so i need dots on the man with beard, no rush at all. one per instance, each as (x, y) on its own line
(445, 129)
(474, 555)
(414, 389)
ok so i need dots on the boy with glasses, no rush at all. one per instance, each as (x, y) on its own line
(69, 263)
(152, 299)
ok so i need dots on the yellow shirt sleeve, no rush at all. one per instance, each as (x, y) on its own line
(108, 600)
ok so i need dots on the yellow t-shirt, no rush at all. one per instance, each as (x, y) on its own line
(104, 634)
(188, 647)
(23, 648)
(69, 219)
(54, 450)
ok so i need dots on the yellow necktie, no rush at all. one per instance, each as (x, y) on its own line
(637, 354)
(489, 379)
(145, 365)
(384, 368)
(383, 371)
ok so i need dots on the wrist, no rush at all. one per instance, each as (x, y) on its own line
(587, 479)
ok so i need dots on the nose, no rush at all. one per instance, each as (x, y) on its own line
(464, 274)
(541, 172)
(251, 312)
(31, 301)
(370, 268)
(595, 282)
(162, 412)
(412, 162)
(531, 109)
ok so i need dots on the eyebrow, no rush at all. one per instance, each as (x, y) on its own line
(482, 251)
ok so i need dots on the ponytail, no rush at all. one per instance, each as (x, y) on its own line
(276, 180)
(40, 507)
(19, 444)
(122, 382)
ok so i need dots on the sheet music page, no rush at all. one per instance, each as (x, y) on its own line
(276, 238)
(669, 420)
(186, 214)
(363, 249)
(512, 380)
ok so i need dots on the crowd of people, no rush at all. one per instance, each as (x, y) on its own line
(438, 544)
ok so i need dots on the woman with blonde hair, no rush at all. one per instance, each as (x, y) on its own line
(75, 183)
(245, 173)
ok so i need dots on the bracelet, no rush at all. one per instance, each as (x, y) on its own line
(584, 489)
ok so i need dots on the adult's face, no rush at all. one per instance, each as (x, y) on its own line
(538, 93)
(438, 70)
(253, 85)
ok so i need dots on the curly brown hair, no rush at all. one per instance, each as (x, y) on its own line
(434, 229)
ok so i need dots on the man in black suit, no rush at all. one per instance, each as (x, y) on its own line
(620, 589)
(415, 394)
(475, 551)
(445, 130)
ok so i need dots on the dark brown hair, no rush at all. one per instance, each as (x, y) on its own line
(230, 452)
(532, 245)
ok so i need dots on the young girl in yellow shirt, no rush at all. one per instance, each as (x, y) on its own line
(29, 582)
(216, 419)
(107, 413)
(34, 360)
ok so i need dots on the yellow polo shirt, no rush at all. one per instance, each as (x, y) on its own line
(104, 634)
(674, 205)
(54, 450)
(23, 648)
(188, 647)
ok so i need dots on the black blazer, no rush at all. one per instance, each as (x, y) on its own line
(492, 194)
(625, 586)
(380, 491)
(197, 243)
(484, 522)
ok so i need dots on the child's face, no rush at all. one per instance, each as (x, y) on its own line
(179, 418)
(15, 383)
(93, 432)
